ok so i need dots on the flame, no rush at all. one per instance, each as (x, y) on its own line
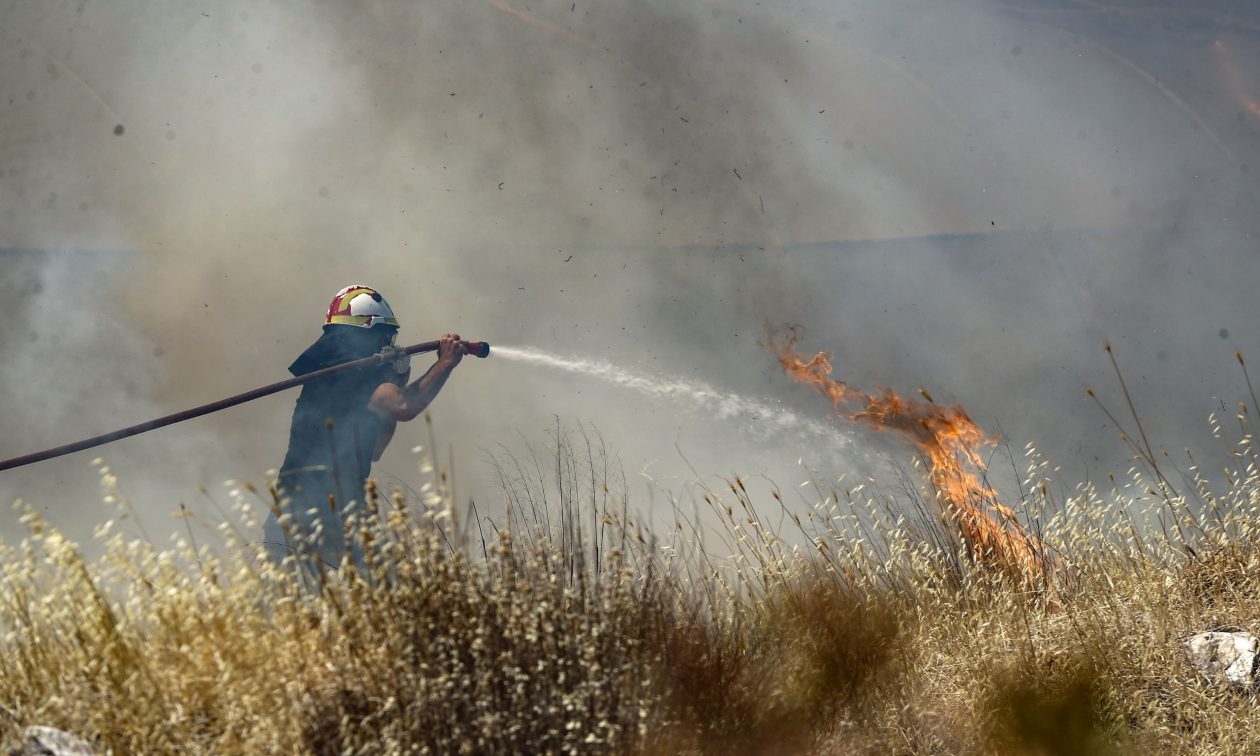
(1234, 80)
(952, 443)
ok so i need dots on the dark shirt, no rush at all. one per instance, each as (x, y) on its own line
(332, 425)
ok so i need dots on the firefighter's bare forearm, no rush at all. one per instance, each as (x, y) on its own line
(422, 391)
(403, 403)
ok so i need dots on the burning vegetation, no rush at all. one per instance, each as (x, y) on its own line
(950, 442)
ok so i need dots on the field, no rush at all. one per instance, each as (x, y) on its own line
(859, 621)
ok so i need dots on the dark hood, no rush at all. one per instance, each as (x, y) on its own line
(341, 343)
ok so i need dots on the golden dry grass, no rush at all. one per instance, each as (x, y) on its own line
(854, 623)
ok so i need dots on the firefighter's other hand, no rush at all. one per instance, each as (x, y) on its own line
(451, 350)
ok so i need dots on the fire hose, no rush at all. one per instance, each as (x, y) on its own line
(390, 354)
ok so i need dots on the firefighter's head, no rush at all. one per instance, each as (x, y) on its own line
(363, 307)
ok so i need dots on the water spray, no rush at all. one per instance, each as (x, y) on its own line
(721, 404)
(390, 354)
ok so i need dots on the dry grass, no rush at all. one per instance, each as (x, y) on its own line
(851, 622)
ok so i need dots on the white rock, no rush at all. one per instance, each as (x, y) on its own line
(1225, 658)
(49, 741)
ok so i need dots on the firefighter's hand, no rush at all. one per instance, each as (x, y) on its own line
(451, 350)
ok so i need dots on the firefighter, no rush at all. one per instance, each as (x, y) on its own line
(342, 424)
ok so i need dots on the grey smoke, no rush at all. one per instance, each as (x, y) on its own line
(968, 197)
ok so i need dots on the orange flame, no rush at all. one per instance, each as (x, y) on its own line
(1234, 80)
(951, 441)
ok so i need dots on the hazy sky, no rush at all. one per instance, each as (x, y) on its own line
(969, 197)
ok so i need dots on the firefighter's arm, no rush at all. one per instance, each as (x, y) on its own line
(403, 403)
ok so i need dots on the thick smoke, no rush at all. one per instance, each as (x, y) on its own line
(969, 197)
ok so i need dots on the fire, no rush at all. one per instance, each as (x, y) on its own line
(1234, 80)
(952, 443)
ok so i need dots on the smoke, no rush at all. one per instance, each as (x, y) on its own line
(968, 197)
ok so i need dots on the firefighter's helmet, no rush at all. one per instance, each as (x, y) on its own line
(360, 306)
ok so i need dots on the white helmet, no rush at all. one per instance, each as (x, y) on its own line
(360, 306)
